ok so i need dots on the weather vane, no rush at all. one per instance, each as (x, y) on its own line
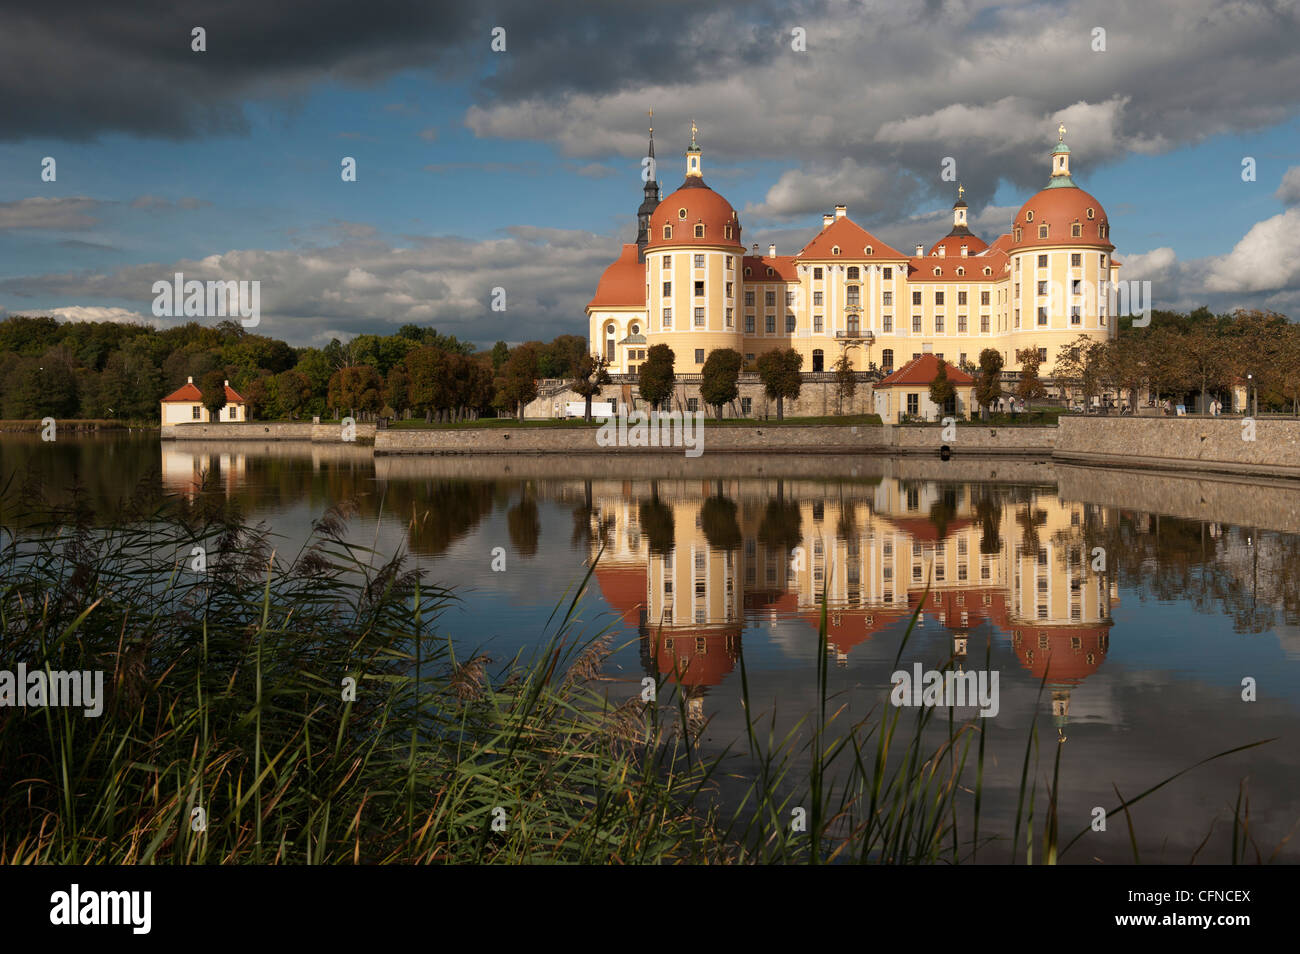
(693, 130)
(1060, 133)
(652, 119)
(961, 190)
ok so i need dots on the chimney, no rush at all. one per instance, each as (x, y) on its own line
(189, 379)
(841, 211)
(963, 251)
(943, 251)
(225, 384)
(919, 251)
(756, 250)
(771, 250)
(827, 219)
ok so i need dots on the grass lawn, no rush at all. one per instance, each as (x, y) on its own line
(856, 420)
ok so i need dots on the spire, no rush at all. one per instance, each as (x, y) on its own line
(693, 156)
(651, 200)
(959, 226)
(1060, 163)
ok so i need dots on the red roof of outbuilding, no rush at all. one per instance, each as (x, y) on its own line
(922, 370)
(783, 269)
(189, 393)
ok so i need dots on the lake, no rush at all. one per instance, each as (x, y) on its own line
(1142, 622)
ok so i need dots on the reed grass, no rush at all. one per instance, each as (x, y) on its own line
(227, 736)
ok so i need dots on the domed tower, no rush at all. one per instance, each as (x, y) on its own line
(651, 200)
(961, 241)
(1060, 256)
(693, 266)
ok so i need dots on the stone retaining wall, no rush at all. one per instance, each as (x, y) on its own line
(1214, 445)
(266, 431)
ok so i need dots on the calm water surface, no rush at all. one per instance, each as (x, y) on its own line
(1137, 603)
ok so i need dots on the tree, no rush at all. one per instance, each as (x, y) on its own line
(517, 383)
(846, 379)
(779, 371)
(655, 377)
(720, 378)
(292, 392)
(397, 390)
(988, 383)
(941, 389)
(500, 352)
(356, 388)
(1030, 386)
(592, 375)
(212, 388)
(1077, 366)
(427, 369)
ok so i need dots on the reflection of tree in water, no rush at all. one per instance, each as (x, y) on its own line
(657, 523)
(720, 525)
(781, 526)
(524, 524)
(439, 512)
(846, 527)
(944, 511)
(988, 511)
(1240, 572)
(107, 478)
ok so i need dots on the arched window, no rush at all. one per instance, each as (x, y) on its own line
(747, 269)
(610, 332)
(938, 271)
(699, 231)
(819, 361)
(835, 250)
(1018, 233)
(961, 271)
(867, 250)
(668, 231)
(636, 329)
(727, 231)
(987, 270)
(887, 360)
(853, 273)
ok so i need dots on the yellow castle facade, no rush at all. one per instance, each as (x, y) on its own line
(688, 282)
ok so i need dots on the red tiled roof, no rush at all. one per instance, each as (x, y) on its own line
(1060, 209)
(852, 240)
(783, 268)
(623, 283)
(189, 392)
(922, 370)
(922, 269)
(951, 245)
(704, 207)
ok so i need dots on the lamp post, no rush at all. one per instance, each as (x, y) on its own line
(1250, 406)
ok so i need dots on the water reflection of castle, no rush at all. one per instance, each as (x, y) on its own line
(687, 561)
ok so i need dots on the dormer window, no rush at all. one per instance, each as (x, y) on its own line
(1018, 234)
(699, 231)
(1029, 216)
(987, 270)
(769, 272)
(1076, 230)
(868, 251)
(835, 250)
(938, 271)
(1042, 231)
(668, 231)
(961, 271)
(681, 213)
(727, 231)
(1091, 213)
(747, 270)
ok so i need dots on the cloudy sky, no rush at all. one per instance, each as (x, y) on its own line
(520, 169)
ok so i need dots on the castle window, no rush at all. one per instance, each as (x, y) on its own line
(749, 324)
(887, 298)
(1029, 216)
(938, 271)
(868, 250)
(699, 317)
(835, 250)
(668, 289)
(769, 273)
(916, 298)
(887, 323)
(961, 271)
(817, 274)
(747, 272)
(853, 273)
(1090, 213)
(699, 289)
(668, 318)
(729, 262)
(887, 359)
(1042, 231)
(817, 298)
(888, 274)
(749, 299)
(699, 261)
(727, 233)
(668, 259)
(987, 270)
(938, 298)
(769, 299)
(1076, 230)
(1042, 261)
(1076, 259)
(1017, 235)
(699, 231)
(1042, 355)
(681, 213)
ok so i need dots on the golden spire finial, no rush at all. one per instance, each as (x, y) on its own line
(652, 119)
(961, 190)
(1060, 133)
(693, 130)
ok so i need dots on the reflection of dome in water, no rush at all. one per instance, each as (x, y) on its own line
(696, 656)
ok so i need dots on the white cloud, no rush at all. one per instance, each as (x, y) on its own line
(1267, 258)
(1288, 192)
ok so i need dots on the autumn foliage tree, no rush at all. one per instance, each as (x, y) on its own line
(719, 381)
(988, 382)
(656, 377)
(778, 369)
(592, 375)
(356, 388)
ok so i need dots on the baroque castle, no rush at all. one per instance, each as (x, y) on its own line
(689, 283)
